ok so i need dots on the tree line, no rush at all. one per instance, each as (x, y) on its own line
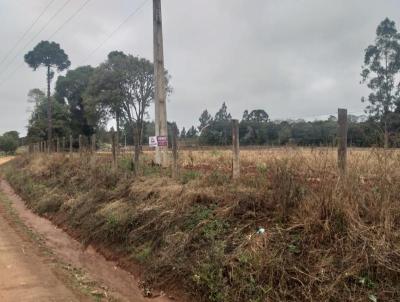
(256, 128)
(121, 88)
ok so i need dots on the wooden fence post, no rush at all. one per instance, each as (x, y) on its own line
(235, 150)
(93, 142)
(80, 142)
(70, 144)
(175, 168)
(342, 140)
(58, 145)
(113, 149)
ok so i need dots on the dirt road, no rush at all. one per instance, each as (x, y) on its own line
(26, 274)
(5, 159)
(55, 267)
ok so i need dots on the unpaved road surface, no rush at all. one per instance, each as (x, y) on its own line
(28, 274)
(23, 274)
(5, 159)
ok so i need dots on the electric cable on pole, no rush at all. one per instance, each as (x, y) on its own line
(51, 36)
(111, 34)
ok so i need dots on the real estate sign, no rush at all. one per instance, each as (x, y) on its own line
(160, 141)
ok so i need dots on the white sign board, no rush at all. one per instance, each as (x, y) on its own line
(153, 141)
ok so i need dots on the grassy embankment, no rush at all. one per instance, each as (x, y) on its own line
(325, 239)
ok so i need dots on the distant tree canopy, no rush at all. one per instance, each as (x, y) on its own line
(256, 128)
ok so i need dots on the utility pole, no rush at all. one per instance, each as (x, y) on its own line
(49, 112)
(160, 85)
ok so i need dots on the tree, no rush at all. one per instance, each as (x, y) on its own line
(104, 94)
(49, 55)
(13, 134)
(192, 132)
(124, 85)
(8, 143)
(205, 120)
(381, 66)
(183, 133)
(37, 125)
(253, 127)
(258, 116)
(70, 90)
(223, 114)
(245, 115)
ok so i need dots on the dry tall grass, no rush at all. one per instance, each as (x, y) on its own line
(289, 230)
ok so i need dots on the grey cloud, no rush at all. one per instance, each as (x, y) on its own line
(293, 58)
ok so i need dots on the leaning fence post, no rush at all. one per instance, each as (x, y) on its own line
(113, 150)
(235, 150)
(342, 140)
(175, 168)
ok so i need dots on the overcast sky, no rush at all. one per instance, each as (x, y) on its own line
(292, 58)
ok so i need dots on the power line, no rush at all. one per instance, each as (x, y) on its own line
(37, 34)
(10, 75)
(53, 34)
(70, 18)
(26, 32)
(137, 10)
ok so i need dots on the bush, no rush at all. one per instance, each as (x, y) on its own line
(8, 144)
